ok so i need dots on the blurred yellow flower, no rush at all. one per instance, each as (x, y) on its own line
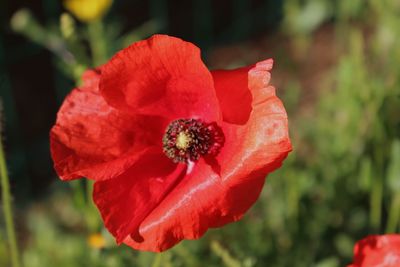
(88, 10)
(96, 241)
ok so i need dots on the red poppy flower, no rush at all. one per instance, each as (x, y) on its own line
(377, 251)
(174, 148)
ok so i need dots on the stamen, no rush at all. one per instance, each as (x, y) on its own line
(183, 140)
(189, 139)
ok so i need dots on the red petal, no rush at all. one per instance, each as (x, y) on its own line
(125, 201)
(377, 250)
(204, 199)
(233, 94)
(263, 143)
(92, 139)
(160, 76)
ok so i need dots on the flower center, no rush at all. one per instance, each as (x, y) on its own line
(183, 140)
(189, 139)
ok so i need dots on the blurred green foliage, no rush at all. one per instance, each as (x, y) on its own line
(68, 42)
(341, 183)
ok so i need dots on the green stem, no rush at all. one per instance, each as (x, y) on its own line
(97, 42)
(8, 215)
(157, 260)
(90, 209)
(394, 214)
(89, 190)
(187, 257)
(226, 257)
(78, 193)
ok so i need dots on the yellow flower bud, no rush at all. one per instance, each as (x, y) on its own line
(88, 10)
(96, 241)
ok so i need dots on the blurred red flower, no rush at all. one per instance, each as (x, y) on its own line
(174, 148)
(377, 251)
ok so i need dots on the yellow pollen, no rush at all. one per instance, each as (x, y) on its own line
(183, 140)
(96, 241)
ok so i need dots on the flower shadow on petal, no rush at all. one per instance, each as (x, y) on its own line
(233, 94)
